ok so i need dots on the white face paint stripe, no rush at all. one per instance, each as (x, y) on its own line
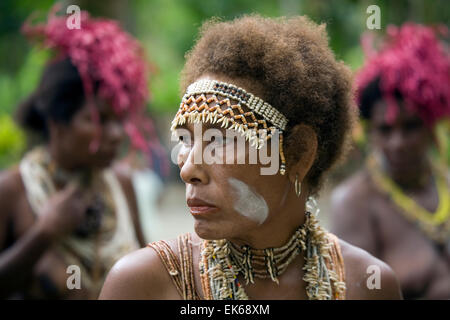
(248, 203)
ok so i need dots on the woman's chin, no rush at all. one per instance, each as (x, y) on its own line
(103, 163)
(208, 230)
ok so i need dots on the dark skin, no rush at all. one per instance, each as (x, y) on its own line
(365, 217)
(26, 242)
(141, 274)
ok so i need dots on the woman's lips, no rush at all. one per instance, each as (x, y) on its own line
(107, 154)
(198, 207)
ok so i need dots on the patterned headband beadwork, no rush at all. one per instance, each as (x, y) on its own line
(195, 108)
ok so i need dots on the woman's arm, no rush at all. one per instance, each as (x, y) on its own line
(63, 213)
(368, 278)
(17, 262)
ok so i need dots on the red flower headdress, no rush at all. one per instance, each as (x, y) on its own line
(105, 54)
(413, 63)
(102, 52)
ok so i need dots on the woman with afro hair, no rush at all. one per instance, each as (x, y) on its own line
(276, 84)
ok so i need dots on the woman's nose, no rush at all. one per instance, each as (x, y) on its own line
(192, 166)
(397, 140)
(114, 132)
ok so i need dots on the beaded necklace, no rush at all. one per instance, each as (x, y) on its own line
(435, 225)
(221, 262)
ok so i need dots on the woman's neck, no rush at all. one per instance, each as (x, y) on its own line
(416, 179)
(61, 160)
(412, 178)
(64, 170)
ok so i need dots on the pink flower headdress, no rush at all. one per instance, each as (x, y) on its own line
(104, 54)
(414, 63)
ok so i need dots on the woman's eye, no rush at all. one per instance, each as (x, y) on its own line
(384, 129)
(184, 140)
(103, 118)
(217, 140)
(220, 140)
(413, 125)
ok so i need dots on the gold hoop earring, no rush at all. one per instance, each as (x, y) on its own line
(298, 186)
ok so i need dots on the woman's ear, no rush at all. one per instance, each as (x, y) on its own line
(302, 140)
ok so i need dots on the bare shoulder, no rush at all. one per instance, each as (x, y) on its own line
(349, 201)
(12, 193)
(353, 189)
(353, 214)
(11, 181)
(368, 278)
(140, 275)
(11, 188)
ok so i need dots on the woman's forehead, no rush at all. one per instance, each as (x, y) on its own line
(99, 106)
(402, 113)
(203, 126)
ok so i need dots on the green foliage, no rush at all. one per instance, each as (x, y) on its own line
(15, 88)
(12, 91)
(12, 141)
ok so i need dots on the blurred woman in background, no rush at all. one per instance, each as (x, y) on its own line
(65, 205)
(398, 206)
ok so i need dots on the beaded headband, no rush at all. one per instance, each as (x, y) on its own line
(195, 107)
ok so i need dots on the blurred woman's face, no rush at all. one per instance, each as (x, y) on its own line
(227, 200)
(75, 138)
(403, 143)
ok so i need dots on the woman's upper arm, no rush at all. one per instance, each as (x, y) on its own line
(368, 278)
(392, 289)
(7, 201)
